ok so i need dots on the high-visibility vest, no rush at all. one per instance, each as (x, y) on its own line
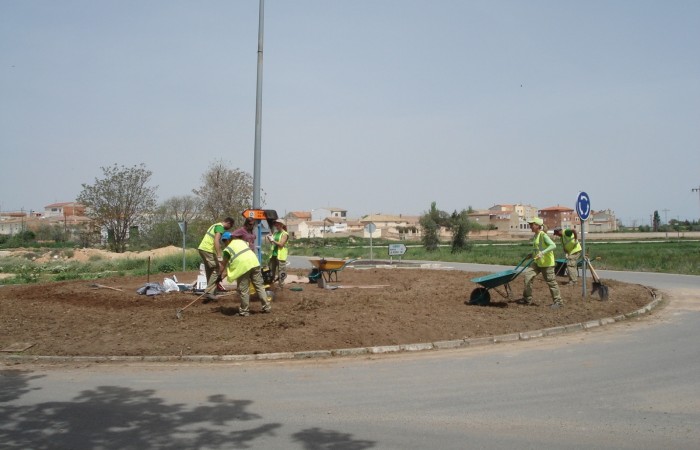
(280, 253)
(207, 243)
(570, 243)
(539, 244)
(240, 259)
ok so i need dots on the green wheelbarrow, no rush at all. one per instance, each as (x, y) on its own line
(481, 296)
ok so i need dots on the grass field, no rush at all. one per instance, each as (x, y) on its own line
(672, 256)
(669, 256)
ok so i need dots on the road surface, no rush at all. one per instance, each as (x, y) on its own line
(632, 385)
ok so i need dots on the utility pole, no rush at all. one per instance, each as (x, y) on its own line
(697, 189)
(258, 124)
(666, 220)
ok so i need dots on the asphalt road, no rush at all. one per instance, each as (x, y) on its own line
(632, 385)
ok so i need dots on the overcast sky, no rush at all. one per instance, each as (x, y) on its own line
(368, 105)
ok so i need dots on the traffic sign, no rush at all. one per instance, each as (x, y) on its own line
(583, 206)
(397, 249)
(259, 214)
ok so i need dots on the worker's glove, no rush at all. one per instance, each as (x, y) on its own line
(220, 258)
(539, 255)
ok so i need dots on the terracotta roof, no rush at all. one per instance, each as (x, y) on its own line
(556, 208)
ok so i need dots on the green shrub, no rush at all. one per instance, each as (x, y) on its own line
(166, 268)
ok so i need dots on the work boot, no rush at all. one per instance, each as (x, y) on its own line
(556, 305)
(524, 301)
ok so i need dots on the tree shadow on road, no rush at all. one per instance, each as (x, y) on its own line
(116, 417)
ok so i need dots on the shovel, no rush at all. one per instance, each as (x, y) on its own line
(178, 314)
(598, 285)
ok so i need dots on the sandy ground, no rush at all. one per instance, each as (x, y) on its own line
(369, 307)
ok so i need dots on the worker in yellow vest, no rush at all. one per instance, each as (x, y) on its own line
(242, 266)
(210, 251)
(279, 251)
(543, 256)
(572, 251)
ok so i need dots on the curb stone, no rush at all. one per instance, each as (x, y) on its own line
(449, 344)
(437, 345)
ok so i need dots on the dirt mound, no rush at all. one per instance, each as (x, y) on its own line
(410, 306)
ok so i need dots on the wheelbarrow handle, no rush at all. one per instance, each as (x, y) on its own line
(524, 266)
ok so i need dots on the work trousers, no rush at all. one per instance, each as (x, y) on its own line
(572, 266)
(254, 276)
(211, 269)
(549, 277)
(278, 268)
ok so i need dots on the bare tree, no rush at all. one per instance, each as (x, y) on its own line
(166, 228)
(180, 209)
(224, 192)
(120, 200)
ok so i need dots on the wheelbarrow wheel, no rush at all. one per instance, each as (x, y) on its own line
(480, 296)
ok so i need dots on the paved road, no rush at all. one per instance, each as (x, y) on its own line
(633, 385)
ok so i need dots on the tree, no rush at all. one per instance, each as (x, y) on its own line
(224, 192)
(119, 201)
(431, 223)
(166, 222)
(180, 209)
(656, 221)
(460, 231)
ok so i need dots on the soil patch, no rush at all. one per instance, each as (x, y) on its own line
(411, 306)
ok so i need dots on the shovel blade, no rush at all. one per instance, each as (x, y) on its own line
(601, 289)
(178, 314)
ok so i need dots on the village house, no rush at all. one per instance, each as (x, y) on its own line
(559, 216)
(392, 227)
(505, 218)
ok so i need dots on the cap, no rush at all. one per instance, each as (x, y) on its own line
(536, 220)
(557, 229)
(226, 236)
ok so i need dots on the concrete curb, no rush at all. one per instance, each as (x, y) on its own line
(359, 351)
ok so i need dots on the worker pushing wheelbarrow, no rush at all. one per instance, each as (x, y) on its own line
(481, 296)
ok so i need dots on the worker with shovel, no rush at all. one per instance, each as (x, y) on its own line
(572, 251)
(241, 265)
(278, 256)
(543, 256)
(211, 252)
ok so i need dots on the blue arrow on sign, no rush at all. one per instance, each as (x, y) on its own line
(583, 206)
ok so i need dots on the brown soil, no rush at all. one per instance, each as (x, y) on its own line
(414, 306)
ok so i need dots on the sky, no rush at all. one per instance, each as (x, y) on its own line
(373, 106)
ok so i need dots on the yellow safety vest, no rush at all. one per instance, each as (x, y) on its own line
(280, 253)
(570, 243)
(539, 244)
(240, 259)
(207, 243)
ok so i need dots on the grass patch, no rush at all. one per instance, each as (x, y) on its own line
(671, 256)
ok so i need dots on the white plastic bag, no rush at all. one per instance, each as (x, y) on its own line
(170, 285)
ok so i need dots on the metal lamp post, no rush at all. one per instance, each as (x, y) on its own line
(258, 124)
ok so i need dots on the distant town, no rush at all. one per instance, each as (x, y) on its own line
(506, 220)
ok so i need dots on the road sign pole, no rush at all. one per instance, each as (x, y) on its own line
(583, 209)
(585, 258)
(183, 228)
